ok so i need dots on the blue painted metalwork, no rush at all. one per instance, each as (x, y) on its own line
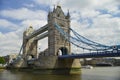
(83, 42)
(90, 45)
(92, 55)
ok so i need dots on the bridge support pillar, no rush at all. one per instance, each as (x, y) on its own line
(58, 66)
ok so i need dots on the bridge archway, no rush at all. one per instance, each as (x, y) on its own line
(30, 56)
(64, 50)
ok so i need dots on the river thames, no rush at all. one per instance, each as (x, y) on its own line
(97, 73)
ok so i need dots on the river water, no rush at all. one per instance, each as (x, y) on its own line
(97, 73)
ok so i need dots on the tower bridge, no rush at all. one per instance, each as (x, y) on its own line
(58, 55)
(55, 40)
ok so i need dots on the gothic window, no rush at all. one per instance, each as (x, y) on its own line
(58, 15)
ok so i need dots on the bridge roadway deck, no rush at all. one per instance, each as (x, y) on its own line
(93, 54)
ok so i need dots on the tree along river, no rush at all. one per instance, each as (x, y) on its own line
(97, 73)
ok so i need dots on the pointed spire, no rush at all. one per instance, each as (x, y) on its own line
(68, 15)
(54, 9)
(49, 10)
(48, 13)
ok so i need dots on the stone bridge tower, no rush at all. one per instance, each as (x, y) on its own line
(29, 45)
(56, 41)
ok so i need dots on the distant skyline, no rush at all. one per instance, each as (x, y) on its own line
(97, 20)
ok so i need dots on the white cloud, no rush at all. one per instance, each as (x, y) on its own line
(84, 6)
(24, 13)
(47, 2)
(10, 42)
(43, 44)
(35, 23)
(104, 28)
(94, 4)
(29, 5)
(7, 24)
(89, 14)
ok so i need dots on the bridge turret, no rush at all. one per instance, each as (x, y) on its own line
(68, 15)
(56, 41)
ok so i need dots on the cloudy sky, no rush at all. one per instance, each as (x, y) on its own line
(98, 20)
